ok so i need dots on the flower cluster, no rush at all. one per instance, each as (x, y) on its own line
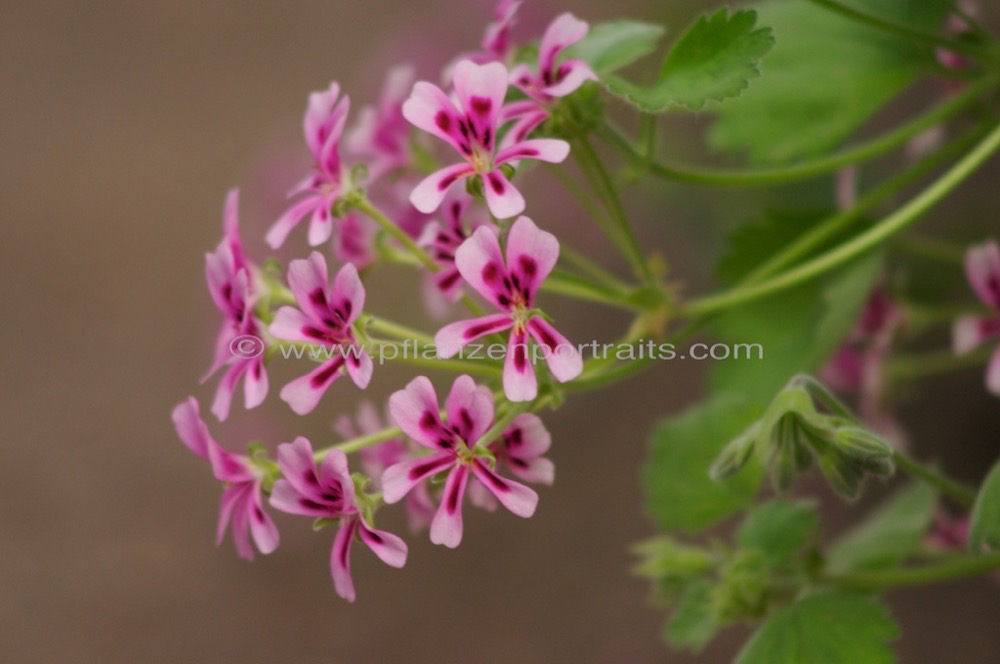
(369, 200)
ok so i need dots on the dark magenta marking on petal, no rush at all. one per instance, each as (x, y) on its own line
(313, 332)
(487, 138)
(318, 297)
(346, 307)
(483, 328)
(528, 266)
(497, 482)
(428, 421)
(517, 462)
(444, 443)
(503, 300)
(443, 121)
(456, 210)
(449, 180)
(375, 537)
(311, 504)
(496, 183)
(546, 338)
(452, 503)
(514, 437)
(324, 376)
(481, 105)
(227, 291)
(520, 356)
(466, 419)
(523, 152)
(449, 280)
(345, 546)
(490, 272)
(424, 468)
(310, 477)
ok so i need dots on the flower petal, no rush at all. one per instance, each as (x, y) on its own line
(224, 392)
(569, 76)
(446, 528)
(503, 199)
(451, 338)
(227, 503)
(564, 30)
(241, 523)
(228, 467)
(519, 382)
(290, 324)
(982, 267)
(191, 429)
(321, 225)
(563, 358)
(303, 394)
(255, 383)
(469, 408)
(482, 266)
(347, 295)
(429, 194)
(537, 471)
(308, 281)
(262, 528)
(430, 109)
(481, 497)
(481, 90)
(968, 332)
(279, 231)
(388, 547)
(298, 467)
(415, 410)
(543, 149)
(516, 497)
(993, 373)
(531, 255)
(399, 479)
(340, 559)
(527, 437)
(359, 364)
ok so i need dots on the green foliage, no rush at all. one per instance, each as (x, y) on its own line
(779, 529)
(984, 533)
(693, 624)
(814, 317)
(891, 534)
(713, 60)
(679, 492)
(825, 77)
(610, 46)
(828, 628)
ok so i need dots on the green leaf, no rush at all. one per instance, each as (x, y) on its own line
(889, 535)
(825, 628)
(713, 60)
(610, 46)
(815, 318)
(692, 624)
(779, 530)
(679, 493)
(984, 532)
(825, 77)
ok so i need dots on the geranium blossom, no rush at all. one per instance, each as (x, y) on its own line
(982, 267)
(374, 460)
(442, 239)
(469, 411)
(470, 124)
(510, 283)
(231, 284)
(381, 134)
(327, 491)
(521, 448)
(323, 126)
(242, 502)
(324, 316)
(550, 80)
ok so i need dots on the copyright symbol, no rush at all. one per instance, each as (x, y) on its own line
(246, 346)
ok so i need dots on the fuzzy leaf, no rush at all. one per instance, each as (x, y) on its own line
(692, 624)
(713, 60)
(610, 46)
(984, 532)
(779, 529)
(679, 493)
(825, 77)
(889, 535)
(829, 627)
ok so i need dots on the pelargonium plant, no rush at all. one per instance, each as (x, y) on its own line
(439, 175)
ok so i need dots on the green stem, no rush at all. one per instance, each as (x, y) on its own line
(360, 443)
(362, 203)
(591, 268)
(569, 285)
(931, 248)
(808, 169)
(859, 244)
(901, 30)
(947, 486)
(910, 367)
(593, 167)
(957, 568)
(825, 230)
(470, 367)
(397, 331)
(502, 423)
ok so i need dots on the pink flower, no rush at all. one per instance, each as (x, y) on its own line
(550, 81)
(471, 128)
(242, 501)
(325, 316)
(323, 126)
(375, 459)
(496, 40)
(327, 491)
(469, 411)
(982, 268)
(230, 282)
(511, 286)
(442, 240)
(521, 449)
(381, 134)
(352, 243)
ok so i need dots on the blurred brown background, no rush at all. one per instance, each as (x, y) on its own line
(122, 126)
